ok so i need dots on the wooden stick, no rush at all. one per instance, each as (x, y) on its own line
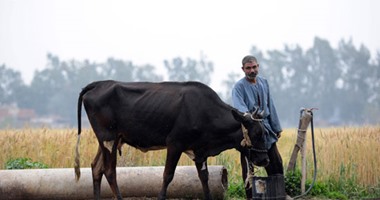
(304, 122)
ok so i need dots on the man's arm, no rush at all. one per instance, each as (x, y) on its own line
(238, 99)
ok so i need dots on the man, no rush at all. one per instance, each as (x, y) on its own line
(252, 92)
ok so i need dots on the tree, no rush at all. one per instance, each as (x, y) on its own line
(324, 71)
(358, 82)
(232, 78)
(292, 87)
(85, 72)
(372, 110)
(12, 87)
(125, 71)
(191, 70)
(45, 84)
(54, 90)
(146, 73)
(342, 83)
(273, 68)
(117, 69)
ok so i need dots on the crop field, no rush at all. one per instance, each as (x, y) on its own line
(342, 153)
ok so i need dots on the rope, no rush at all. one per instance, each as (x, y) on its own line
(246, 142)
(249, 179)
(250, 174)
(303, 138)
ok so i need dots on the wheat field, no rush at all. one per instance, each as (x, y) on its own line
(342, 152)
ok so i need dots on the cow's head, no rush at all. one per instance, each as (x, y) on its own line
(252, 122)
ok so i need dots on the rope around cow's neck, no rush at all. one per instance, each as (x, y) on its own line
(246, 142)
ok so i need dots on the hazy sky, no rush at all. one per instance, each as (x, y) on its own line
(148, 32)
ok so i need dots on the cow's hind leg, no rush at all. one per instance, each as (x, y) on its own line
(105, 163)
(172, 157)
(110, 170)
(203, 176)
(97, 172)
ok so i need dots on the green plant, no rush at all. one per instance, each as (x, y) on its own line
(24, 163)
(293, 183)
(319, 188)
(336, 195)
(236, 189)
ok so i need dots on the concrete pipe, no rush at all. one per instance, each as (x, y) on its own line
(133, 182)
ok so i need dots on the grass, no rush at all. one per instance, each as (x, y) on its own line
(347, 157)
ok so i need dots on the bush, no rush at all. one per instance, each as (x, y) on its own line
(293, 183)
(336, 195)
(319, 188)
(236, 189)
(24, 163)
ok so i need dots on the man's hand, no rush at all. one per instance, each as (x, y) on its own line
(279, 134)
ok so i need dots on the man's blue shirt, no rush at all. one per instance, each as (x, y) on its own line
(247, 96)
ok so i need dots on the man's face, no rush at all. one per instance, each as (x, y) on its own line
(251, 69)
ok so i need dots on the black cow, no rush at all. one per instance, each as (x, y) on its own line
(181, 117)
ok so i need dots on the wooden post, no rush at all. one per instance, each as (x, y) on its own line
(304, 122)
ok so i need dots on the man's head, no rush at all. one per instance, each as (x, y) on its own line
(250, 67)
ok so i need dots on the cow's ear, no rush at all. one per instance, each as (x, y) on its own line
(239, 116)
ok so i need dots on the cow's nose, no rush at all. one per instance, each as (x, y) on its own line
(262, 163)
(266, 162)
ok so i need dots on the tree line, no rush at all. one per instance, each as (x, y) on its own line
(343, 83)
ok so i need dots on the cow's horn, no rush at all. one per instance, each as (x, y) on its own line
(261, 114)
(255, 111)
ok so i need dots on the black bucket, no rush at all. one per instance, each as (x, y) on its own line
(271, 187)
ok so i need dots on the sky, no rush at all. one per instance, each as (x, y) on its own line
(149, 32)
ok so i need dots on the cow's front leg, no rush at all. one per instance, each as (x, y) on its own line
(172, 157)
(203, 176)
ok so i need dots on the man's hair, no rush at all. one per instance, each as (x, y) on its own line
(248, 59)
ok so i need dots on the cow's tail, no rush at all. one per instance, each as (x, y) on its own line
(79, 114)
